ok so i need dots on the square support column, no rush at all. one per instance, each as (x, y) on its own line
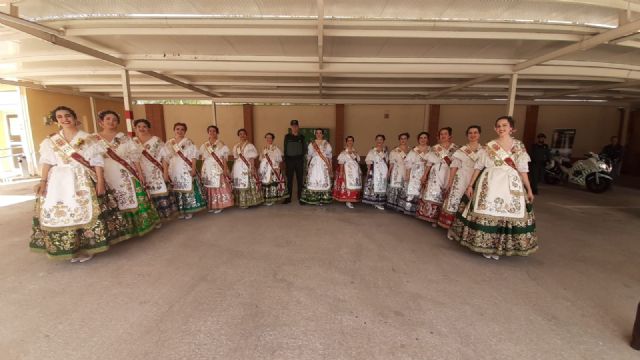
(126, 94)
(513, 85)
(247, 114)
(339, 129)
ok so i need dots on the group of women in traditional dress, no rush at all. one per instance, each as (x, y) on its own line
(99, 189)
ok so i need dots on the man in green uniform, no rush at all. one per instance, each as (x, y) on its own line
(294, 152)
(540, 155)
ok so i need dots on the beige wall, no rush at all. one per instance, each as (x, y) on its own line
(594, 125)
(40, 103)
(197, 118)
(114, 105)
(459, 117)
(364, 122)
(276, 119)
(138, 112)
(230, 118)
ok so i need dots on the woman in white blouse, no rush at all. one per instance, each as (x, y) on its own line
(348, 184)
(274, 187)
(180, 165)
(246, 185)
(215, 172)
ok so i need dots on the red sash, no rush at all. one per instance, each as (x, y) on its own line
(113, 155)
(255, 177)
(174, 145)
(281, 184)
(217, 159)
(321, 154)
(65, 148)
(152, 160)
(148, 155)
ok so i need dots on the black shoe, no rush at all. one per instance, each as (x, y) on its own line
(287, 201)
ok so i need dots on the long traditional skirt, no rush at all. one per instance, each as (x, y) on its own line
(165, 206)
(408, 204)
(251, 196)
(445, 219)
(314, 197)
(220, 197)
(428, 210)
(394, 196)
(191, 201)
(107, 228)
(274, 192)
(494, 235)
(369, 196)
(144, 219)
(341, 193)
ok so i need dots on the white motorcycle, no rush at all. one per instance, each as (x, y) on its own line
(592, 173)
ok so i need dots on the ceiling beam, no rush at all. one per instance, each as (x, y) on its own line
(177, 82)
(320, 30)
(50, 35)
(590, 89)
(612, 4)
(583, 45)
(54, 89)
(309, 32)
(465, 84)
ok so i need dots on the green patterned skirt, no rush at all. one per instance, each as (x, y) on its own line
(107, 228)
(494, 235)
(191, 201)
(251, 196)
(274, 192)
(142, 220)
(313, 197)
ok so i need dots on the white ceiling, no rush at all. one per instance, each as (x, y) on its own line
(324, 50)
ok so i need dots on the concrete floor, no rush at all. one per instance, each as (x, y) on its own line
(292, 282)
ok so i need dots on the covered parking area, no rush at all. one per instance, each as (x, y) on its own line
(318, 283)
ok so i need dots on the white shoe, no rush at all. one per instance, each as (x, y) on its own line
(188, 216)
(495, 257)
(210, 211)
(349, 205)
(379, 207)
(486, 256)
(74, 260)
(85, 258)
(217, 211)
(268, 204)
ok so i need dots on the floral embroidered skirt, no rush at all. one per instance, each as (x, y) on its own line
(369, 196)
(394, 196)
(274, 192)
(446, 218)
(191, 201)
(428, 211)
(315, 197)
(221, 197)
(342, 194)
(144, 219)
(408, 204)
(107, 228)
(251, 196)
(165, 206)
(494, 235)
